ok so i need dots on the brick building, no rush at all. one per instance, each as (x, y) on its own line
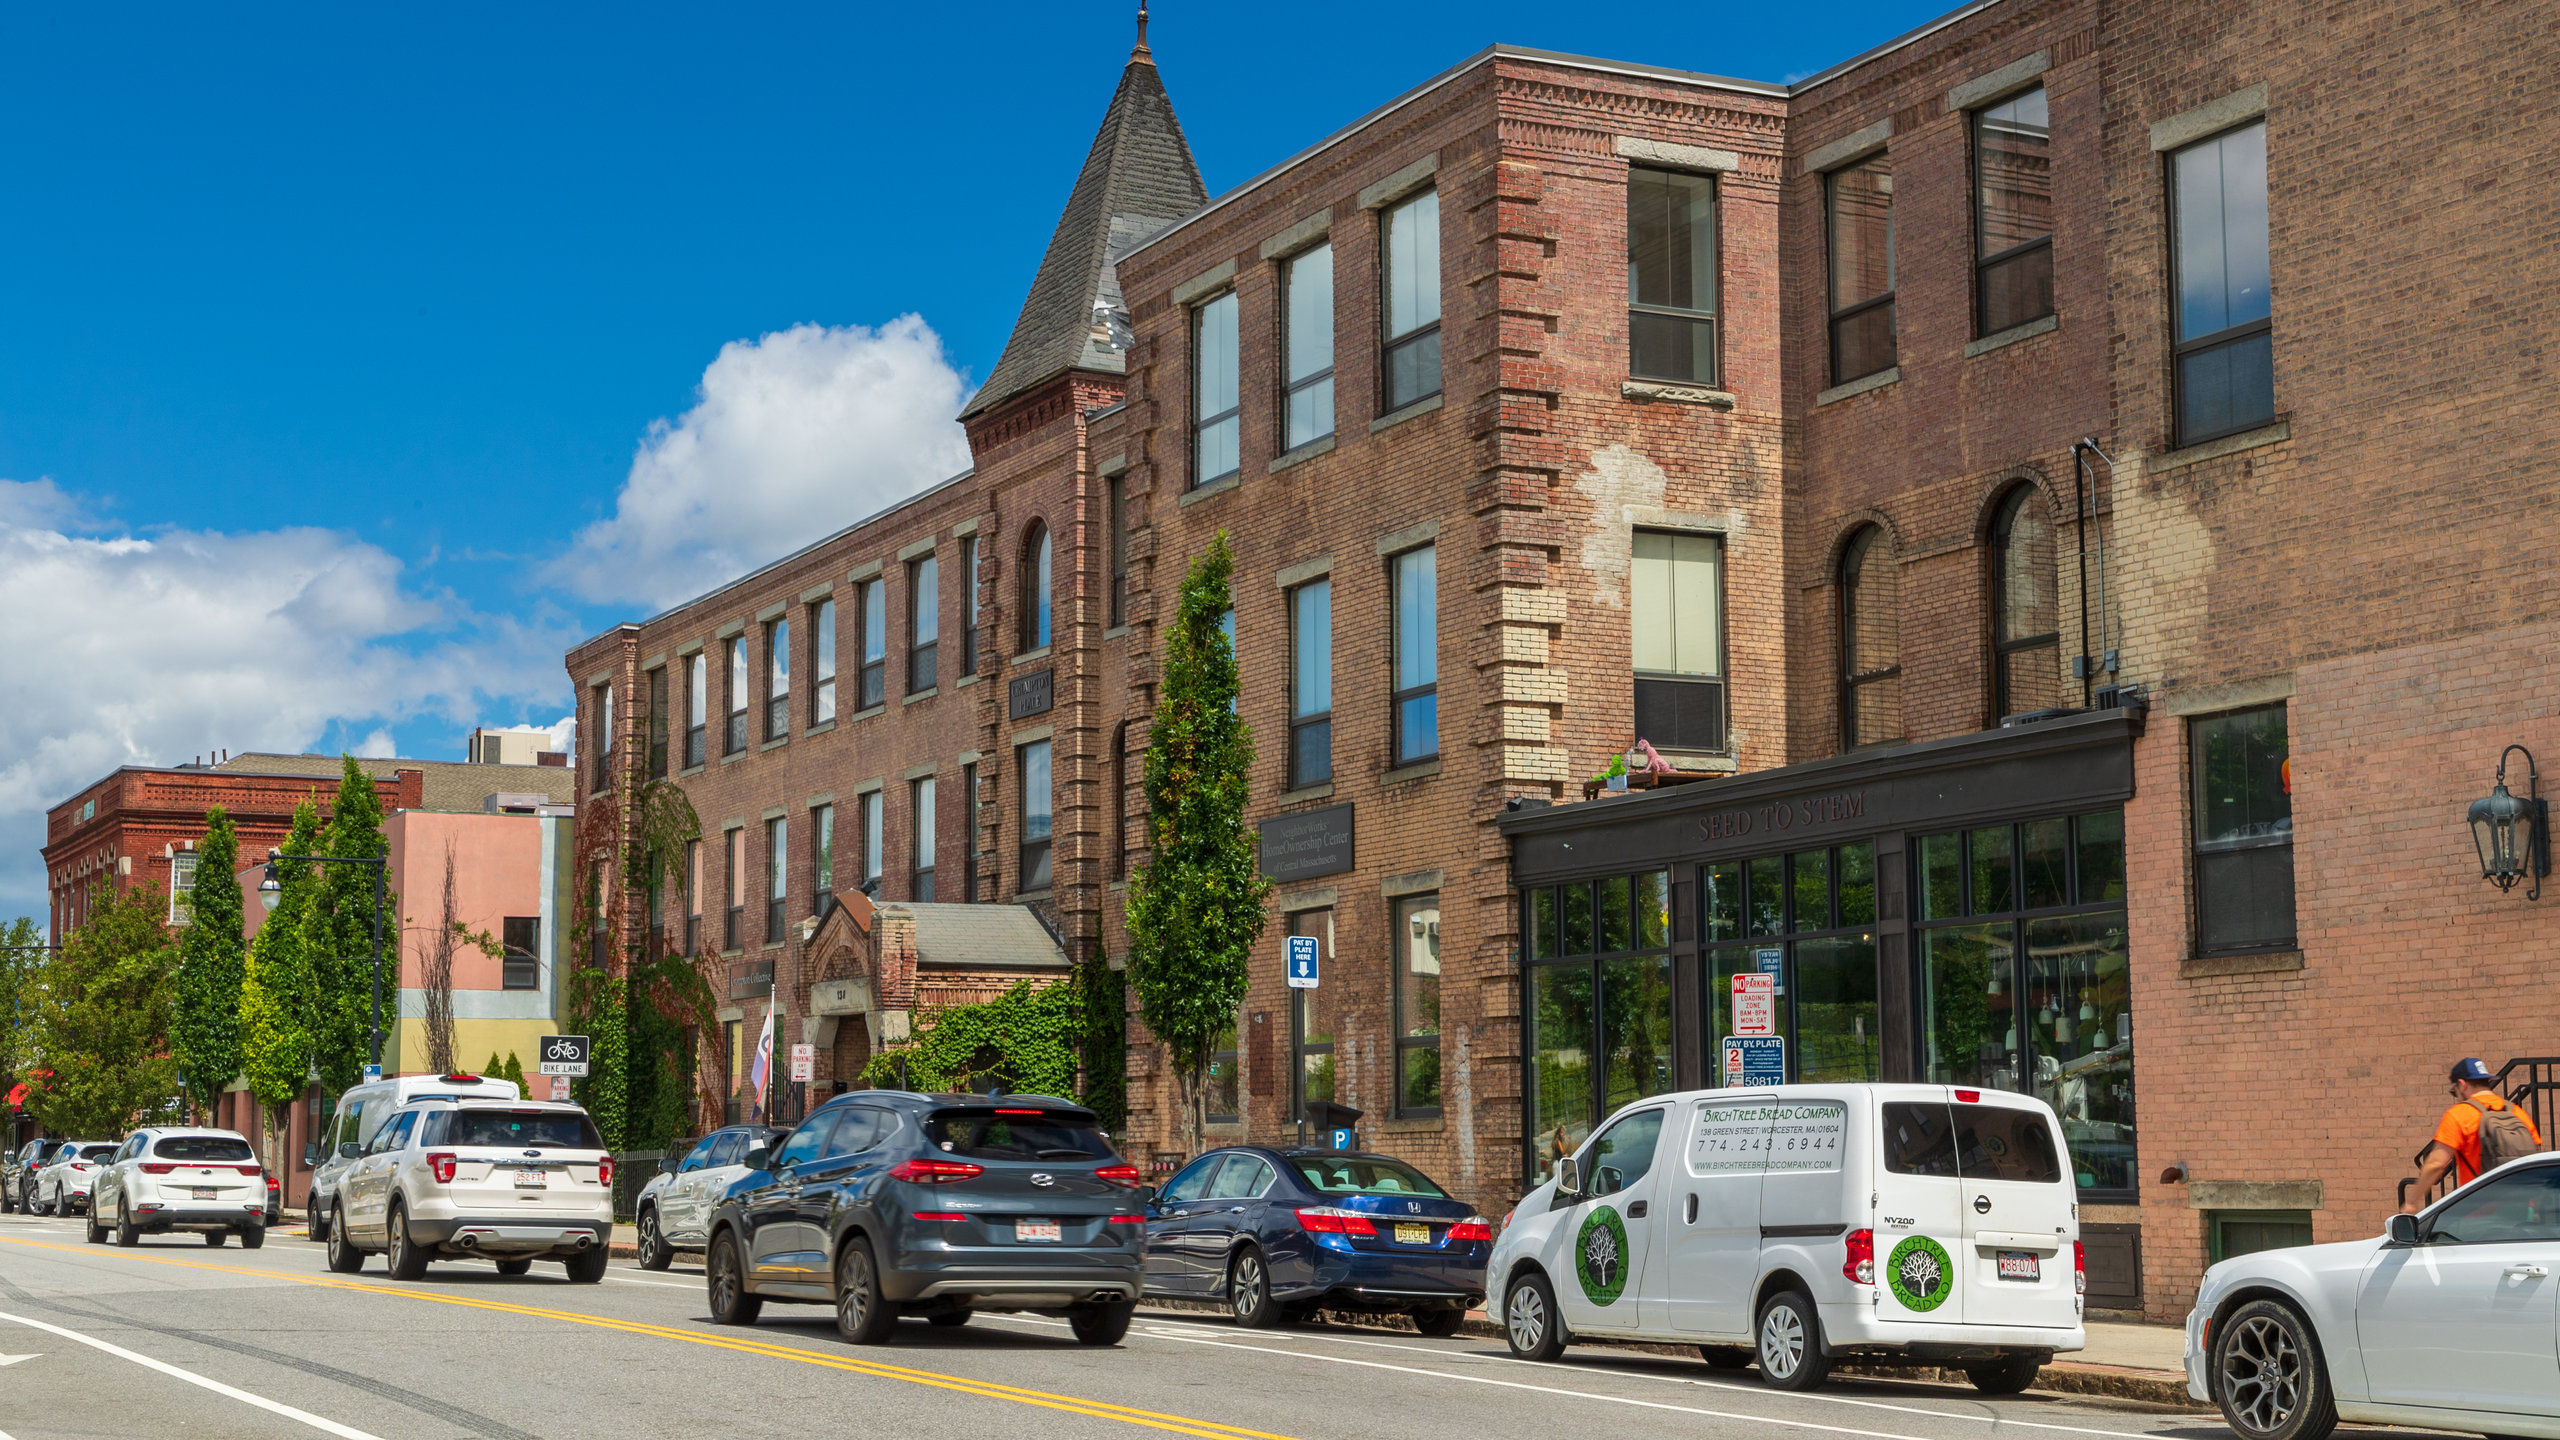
(1960, 465)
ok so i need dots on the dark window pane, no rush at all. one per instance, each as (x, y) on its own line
(1967, 988)
(1941, 877)
(1997, 1142)
(1809, 877)
(1635, 1028)
(1671, 347)
(2228, 388)
(2016, 289)
(1311, 753)
(1724, 900)
(2221, 244)
(1413, 369)
(2244, 786)
(1577, 919)
(1542, 923)
(1919, 1140)
(2244, 898)
(1857, 875)
(2028, 603)
(2081, 989)
(2101, 839)
(1653, 910)
(2031, 679)
(1671, 240)
(1721, 967)
(1862, 344)
(1988, 850)
(1680, 714)
(1861, 200)
(1617, 929)
(2045, 867)
(1768, 895)
(1560, 1014)
(1834, 984)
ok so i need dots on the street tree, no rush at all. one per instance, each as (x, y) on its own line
(22, 961)
(1195, 907)
(339, 933)
(204, 1032)
(103, 1022)
(278, 990)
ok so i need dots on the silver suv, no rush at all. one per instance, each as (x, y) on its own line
(512, 1181)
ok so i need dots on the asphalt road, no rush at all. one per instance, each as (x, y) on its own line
(176, 1338)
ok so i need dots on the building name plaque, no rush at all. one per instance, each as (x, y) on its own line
(1307, 843)
(1779, 817)
(1029, 695)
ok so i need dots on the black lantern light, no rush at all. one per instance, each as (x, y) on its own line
(2513, 834)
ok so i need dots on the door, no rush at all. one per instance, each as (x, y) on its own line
(1170, 1269)
(1233, 1207)
(781, 1248)
(367, 1186)
(2470, 1320)
(836, 1179)
(1918, 1216)
(686, 1205)
(1712, 1245)
(1610, 1229)
(2016, 1267)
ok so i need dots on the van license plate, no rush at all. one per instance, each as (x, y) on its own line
(1413, 1234)
(2020, 1265)
(531, 1180)
(1026, 1232)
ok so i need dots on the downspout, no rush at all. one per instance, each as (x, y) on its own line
(2108, 657)
(2080, 534)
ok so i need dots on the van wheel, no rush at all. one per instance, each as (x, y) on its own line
(1249, 1291)
(1530, 1321)
(1725, 1357)
(1791, 1355)
(2268, 1376)
(2008, 1377)
(1439, 1324)
(726, 1279)
(344, 1257)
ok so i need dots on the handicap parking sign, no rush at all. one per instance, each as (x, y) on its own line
(1302, 962)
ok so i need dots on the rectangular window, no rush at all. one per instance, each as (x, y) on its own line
(1307, 312)
(1117, 498)
(1417, 1000)
(1311, 1020)
(1214, 423)
(733, 1036)
(1311, 684)
(1417, 655)
(602, 709)
(1599, 1004)
(969, 605)
(520, 946)
(777, 861)
(2243, 830)
(2012, 213)
(182, 880)
(869, 805)
(1859, 201)
(1671, 276)
(875, 644)
(697, 702)
(920, 829)
(822, 857)
(822, 662)
(658, 723)
(736, 842)
(1677, 618)
(969, 829)
(777, 680)
(737, 695)
(1410, 263)
(924, 623)
(693, 897)
(1031, 762)
(2225, 355)
(1225, 1100)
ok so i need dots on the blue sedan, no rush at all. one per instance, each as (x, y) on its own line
(1278, 1234)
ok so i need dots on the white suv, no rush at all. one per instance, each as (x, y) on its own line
(62, 1186)
(510, 1181)
(174, 1178)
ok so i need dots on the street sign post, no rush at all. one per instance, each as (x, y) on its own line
(563, 1055)
(1755, 1060)
(1302, 962)
(1755, 1004)
(804, 1062)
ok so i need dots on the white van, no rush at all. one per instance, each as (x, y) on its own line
(361, 1111)
(1808, 1225)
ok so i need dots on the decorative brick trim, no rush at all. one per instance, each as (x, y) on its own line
(1304, 235)
(2214, 116)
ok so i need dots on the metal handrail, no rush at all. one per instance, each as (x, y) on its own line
(2541, 1078)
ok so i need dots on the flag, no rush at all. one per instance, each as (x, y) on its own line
(759, 1077)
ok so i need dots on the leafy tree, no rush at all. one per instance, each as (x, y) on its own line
(278, 991)
(22, 964)
(212, 963)
(1196, 907)
(1106, 1041)
(1026, 1039)
(339, 934)
(103, 1023)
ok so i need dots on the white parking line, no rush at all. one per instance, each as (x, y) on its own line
(661, 1284)
(330, 1427)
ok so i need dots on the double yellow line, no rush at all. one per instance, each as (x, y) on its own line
(738, 1341)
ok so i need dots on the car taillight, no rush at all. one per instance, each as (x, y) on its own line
(82, 1165)
(158, 1169)
(938, 1215)
(935, 1172)
(1474, 1227)
(252, 1172)
(1126, 1220)
(440, 1165)
(604, 1171)
(2079, 1269)
(1123, 1175)
(272, 1186)
(1860, 1262)
(1332, 1220)
(1969, 1097)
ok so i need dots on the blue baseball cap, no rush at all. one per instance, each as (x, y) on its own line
(2469, 1068)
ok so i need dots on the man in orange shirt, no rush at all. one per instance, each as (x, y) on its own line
(2456, 1146)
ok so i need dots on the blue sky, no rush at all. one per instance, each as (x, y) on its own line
(356, 317)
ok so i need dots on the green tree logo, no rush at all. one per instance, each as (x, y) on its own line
(1921, 1275)
(1600, 1256)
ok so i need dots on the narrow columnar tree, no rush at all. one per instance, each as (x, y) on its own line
(103, 1025)
(277, 991)
(212, 960)
(1195, 908)
(338, 934)
(21, 969)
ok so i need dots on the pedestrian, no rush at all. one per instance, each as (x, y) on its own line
(2480, 1131)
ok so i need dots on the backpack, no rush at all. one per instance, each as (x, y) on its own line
(2503, 1137)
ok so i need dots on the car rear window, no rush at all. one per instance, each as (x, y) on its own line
(1996, 1142)
(1364, 1177)
(1002, 1134)
(228, 1148)
(98, 1152)
(556, 1129)
(1919, 1140)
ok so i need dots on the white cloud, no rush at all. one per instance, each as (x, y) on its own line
(792, 437)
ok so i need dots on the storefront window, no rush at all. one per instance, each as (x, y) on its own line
(1808, 919)
(1599, 1004)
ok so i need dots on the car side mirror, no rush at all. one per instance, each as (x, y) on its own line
(759, 1158)
(347, 1150)
(1147, 1196)
(2403, 1230)
(667, 1164)
(1568, 1176)
(310, 1155)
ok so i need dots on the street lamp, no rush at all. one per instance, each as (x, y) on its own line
(271, 894)
(2513, 835)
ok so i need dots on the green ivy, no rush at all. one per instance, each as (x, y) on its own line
(1028, 1040)
(598, 1009)
(1106, 1041)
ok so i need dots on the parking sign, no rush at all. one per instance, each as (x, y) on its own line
(1302, 962)
(1755, 1004)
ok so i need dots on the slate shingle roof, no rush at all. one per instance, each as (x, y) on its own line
(981, 936)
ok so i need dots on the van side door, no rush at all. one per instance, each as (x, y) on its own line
(1610, 1226)
(1710, 1225)
(1919, 1222)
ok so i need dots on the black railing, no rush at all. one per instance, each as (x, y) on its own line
(2531, 1092)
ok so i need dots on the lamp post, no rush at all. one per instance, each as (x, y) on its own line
(271, 894)
(2512, 834)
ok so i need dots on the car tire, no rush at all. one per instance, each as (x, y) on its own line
(253, 1237)
(401, 1254)
(128, 1234)
(587, 1267)
(7, 1206)
(725, 1279)
(1249, 1292)
(216, 1239)
(1101, 1324)
(1790, 1342)
(2010, 1376)
(1439, 1324)
(1726, 1357)
(2267, 1374)
(344, 1257)
(654, 1254)
(515, 1267)
(1531, 1324)
(313, 1226)
(95, 1231)
(863, 1315)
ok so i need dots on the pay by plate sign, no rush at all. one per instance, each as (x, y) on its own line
(1302, 962)
(1755, 1004)
(1755, 1060)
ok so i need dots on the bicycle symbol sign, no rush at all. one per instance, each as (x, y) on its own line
(563, 1055)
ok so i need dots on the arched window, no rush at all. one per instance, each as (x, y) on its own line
(1035, 588)
(2026, 613)
(1870, 641)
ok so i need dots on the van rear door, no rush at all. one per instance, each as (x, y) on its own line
(1920, 1235)
(2017, 1264)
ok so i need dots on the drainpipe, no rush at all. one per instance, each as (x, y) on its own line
(2108, 660)
(2080, 535)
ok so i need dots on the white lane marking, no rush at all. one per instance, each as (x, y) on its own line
(661, 1284)
(1705, 1384)
(12, 1360)
(329, 1427)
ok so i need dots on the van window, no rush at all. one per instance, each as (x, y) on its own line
(1998, 1142)
(1807, 1138)
(1919, 1139)
(1622, 1155)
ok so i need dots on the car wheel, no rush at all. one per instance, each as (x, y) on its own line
(344, 1257)
(95, 1231)
(253, 1237)
(1530, 1322)
(1101, 1324)
(515, 1267)
(128, 1234)
(654, 1253)
(7, 1206)
(587, 1267)
(863, 1315)
(2008, 1377)
(1791, 1355)
(726, 1280)
(1249, 1291)
(1439, 1324)
(216, 1238)
(2268, 1376)
(1726, 1357)
(400, 1253)
(312, 1224)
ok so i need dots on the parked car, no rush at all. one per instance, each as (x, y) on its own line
(1792, 1225)
(2448, 1319)
(62, 1186)
(1278, 1234)
(18, 1173)
(360, 1113)
(509, 1181)
(179, 1178)
(885, 1203)
(674, 1209)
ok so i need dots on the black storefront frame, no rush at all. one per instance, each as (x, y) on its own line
(2066, 766)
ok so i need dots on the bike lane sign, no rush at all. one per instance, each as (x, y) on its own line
(563, 1055)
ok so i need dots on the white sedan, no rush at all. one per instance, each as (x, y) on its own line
(2449, 1319)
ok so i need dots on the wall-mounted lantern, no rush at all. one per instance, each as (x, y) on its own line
(2513, 835)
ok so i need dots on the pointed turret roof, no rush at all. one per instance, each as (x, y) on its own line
(1138, 178)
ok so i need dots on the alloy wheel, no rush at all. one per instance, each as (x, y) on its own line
(1526, 1316)
(853, 1291)
(1781, 1341)
(652, 1245)
(724, 1280)
(1245, 1296)
(2262, 1374)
